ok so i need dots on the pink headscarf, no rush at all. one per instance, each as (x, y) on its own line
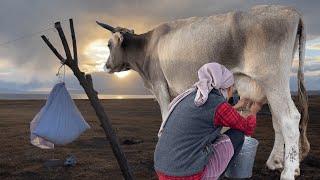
(211, 75)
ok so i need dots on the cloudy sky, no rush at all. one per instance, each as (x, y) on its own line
(27, 65)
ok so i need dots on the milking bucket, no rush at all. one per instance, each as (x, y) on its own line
(242, 165)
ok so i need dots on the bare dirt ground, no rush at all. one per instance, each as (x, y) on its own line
(134, 119)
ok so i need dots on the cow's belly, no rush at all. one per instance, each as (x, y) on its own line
(245, 86)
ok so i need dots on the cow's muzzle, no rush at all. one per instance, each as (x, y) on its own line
(123, 67)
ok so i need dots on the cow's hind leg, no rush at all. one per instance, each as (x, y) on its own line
(288, 117)
(276, 158)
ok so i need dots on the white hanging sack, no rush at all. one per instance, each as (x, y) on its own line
(37, 140)
(59, 121)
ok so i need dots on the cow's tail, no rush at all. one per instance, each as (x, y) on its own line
(302, 93)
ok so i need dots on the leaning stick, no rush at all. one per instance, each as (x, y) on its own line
(86, 83)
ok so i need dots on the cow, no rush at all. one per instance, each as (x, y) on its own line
(257, 45)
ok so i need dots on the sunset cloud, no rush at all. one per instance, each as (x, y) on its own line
(28, 64)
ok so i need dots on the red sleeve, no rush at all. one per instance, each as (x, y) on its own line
(227, 116)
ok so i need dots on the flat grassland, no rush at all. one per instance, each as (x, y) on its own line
(133, 119)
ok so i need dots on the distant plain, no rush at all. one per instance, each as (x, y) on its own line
(134, 120)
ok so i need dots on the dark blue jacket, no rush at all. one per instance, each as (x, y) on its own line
(184, 147)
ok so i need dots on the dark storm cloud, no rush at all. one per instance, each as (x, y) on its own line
(31, 65)
(172, 9)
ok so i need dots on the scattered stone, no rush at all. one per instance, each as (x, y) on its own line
(132, 141)
(70, 161)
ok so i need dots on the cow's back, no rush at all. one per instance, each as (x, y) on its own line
(232, 39)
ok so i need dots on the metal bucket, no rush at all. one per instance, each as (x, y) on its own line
(242, 165)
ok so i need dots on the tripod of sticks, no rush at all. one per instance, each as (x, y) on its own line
(86, 82)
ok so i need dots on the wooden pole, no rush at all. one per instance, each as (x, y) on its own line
(86, 83)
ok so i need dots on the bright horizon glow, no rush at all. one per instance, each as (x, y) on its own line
(122, 74)
(98, 52)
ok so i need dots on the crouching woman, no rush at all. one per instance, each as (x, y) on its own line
(190, 144)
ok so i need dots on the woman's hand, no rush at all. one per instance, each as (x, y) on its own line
(252, 121)
(242, 103)
(249, 107)
(255, 108)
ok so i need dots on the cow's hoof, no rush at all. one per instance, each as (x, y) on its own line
(289, 174)
(275, 164)
(304, 149)
(297, 172)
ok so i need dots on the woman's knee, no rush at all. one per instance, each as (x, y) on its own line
(236, 137)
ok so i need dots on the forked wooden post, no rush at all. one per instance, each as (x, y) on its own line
(86, 83)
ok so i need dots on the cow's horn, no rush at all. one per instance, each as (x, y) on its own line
(106, 26)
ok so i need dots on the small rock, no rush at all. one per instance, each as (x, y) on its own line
(132, 141)
(70, 161)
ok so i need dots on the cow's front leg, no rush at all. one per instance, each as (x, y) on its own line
(161, 91)
(276, 158)
(286, 113)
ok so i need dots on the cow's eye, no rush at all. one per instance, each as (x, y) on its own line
(109, 45)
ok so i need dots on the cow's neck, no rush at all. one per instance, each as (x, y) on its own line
(138, 57)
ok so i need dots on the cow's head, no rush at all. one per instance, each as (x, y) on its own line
(118, 60)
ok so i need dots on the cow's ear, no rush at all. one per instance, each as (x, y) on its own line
(119, 37)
